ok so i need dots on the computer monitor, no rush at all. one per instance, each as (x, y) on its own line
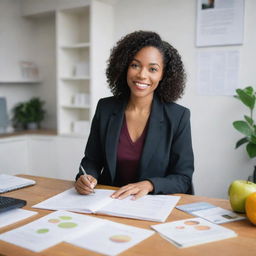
(3, 115)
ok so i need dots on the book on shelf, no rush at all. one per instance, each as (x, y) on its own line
(193, 231)
(99, 235)
(10, 182)
(101, 202)
(210, 212)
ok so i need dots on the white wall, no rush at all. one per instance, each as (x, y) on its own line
(27, 39)
(44, 38)
(217, 163)
(14, 46)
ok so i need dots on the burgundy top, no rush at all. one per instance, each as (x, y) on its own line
(128, 156)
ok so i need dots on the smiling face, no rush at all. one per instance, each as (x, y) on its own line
(145, 72)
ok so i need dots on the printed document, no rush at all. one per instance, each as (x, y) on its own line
(91, 233)
(14, 215)
(210, 212)
(194, 231)
(149, 207)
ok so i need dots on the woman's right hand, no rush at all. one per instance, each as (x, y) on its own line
(85, 184)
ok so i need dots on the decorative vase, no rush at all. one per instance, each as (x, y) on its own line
(252, 177)
(32, 126)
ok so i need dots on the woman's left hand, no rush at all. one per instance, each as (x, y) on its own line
(137, 189)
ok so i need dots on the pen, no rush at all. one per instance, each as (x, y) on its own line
(84, 173)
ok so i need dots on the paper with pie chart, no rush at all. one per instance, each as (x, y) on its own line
(50, 230)
(81, 230)
(193, 231)
(111, 238)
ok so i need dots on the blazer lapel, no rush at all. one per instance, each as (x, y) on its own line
(154, 134)
(112, 137)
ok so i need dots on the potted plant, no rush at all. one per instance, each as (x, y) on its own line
(28, 115)
(35, 113)
(247, 126)
(19, 118)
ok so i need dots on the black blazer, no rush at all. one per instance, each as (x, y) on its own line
(167, 158)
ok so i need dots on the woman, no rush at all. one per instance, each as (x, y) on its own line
(140, 140)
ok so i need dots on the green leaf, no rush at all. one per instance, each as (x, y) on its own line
(248, 119)
(248, 100)
(249, 90)
(252, 139)
(251, 149)
(241, 142)
(243, 127)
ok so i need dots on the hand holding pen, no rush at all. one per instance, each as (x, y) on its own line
(85, 183)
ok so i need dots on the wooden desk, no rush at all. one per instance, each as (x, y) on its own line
(244, 244)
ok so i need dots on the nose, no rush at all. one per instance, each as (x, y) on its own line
(142, 74)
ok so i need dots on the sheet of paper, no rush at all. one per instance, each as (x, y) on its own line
(218, 215)
(15, 215)
(149, 207)
(218, 72)
(188, 232)
(111, 238)
(50, 230)
(10, 182)
(220, 22)
(210, 212)
(71, 200)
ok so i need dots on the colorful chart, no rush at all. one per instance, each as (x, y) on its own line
(67, 225)
(65, 218)
(120, 238)
(60, 225)
(42, 231)
(202, 228)
(191, 222)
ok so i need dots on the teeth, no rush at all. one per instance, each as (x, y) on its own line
(142, 85)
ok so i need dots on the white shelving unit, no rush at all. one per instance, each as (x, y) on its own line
(84, 38)
(20, 81)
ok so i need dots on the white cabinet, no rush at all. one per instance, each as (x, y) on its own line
(42, 156)
(70, 151)
(14, 155)
(83, 44)
(55, 156)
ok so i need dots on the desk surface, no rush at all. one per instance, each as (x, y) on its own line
(244, 244)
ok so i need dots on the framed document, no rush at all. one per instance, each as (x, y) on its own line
(219, 22)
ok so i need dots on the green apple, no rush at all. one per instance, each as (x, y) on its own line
(238, 191)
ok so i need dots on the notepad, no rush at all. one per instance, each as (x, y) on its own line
(9, 182)
(149, 207)
(194, 231)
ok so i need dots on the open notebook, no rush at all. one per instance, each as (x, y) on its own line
(149, 207)
(9, 182)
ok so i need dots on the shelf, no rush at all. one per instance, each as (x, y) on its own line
(20, 81)
(75, 46)
(73, 78)
(73, 134)
(72, 106)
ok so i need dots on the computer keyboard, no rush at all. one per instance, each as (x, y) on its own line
(8, 203)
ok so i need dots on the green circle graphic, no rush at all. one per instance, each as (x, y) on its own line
(65, 217)
(67, 225)
(42, 231)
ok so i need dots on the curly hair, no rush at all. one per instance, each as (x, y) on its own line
(170, 88)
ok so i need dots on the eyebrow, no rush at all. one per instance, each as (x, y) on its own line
(151, 64)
